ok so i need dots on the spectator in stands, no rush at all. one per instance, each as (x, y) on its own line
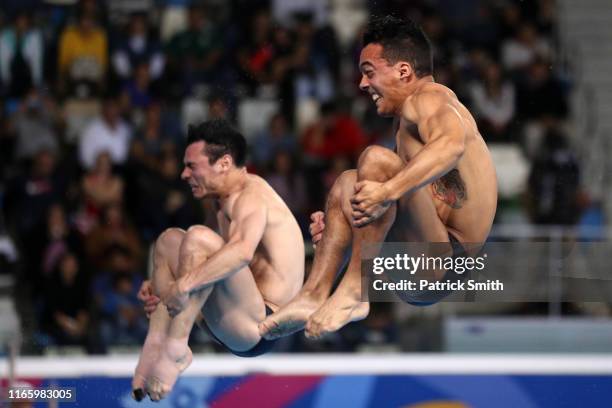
(283, 67)
(257, 53)
(138, 89)
(137, 48)
(440, 39)
(336, 133)
(193, 54)
(83, 58)
(46, 246)
(106, 134)
(523, 48)
(34, 126)
(60, 239)
(122, 320)
(483, 29)
(114, 289)
(276, 137)
(493, 100)
(290, 185)
(554, 182)
(114, 231)
(510, 19)
(66, 308)
(29, 196)
(546, 17)
(540, 94)
(21, 56)
(217, 107)
(164, 200)
(152, 140)
(314, 62)
(101, 188)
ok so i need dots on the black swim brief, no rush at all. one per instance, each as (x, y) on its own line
(430, 297)
(262, 347)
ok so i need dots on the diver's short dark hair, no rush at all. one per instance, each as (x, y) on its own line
(221, 138)
(402, 40)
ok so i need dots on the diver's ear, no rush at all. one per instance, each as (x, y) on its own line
(226, 161)
(405, 70)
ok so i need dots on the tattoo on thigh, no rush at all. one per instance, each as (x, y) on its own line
(450, 188)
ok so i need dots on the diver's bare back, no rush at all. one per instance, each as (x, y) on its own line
(278, 264)
(466, 197)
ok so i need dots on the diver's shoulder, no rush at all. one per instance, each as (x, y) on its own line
(257, 187)
(435, 90)
(256, 182)
(427, 100)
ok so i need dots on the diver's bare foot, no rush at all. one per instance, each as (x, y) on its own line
(148, 358)
(290, 318)
(174, 358)
(340, 309)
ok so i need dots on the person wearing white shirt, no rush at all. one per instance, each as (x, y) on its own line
(521, 50)
(108, 133)
(493, 100)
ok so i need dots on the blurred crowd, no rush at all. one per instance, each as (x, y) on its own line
(96, 96)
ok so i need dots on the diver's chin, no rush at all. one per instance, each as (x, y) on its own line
(380, 108)
(203, 195)
(198, 194)
(380, 111)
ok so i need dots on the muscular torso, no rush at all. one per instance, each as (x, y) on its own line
(466, 197)
(278, 264)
